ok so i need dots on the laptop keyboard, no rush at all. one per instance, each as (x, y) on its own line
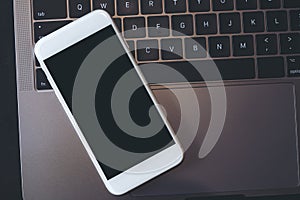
(247, 39)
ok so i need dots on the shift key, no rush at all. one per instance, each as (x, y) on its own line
(51, 9)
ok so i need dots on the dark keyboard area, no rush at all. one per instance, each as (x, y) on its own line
(247, 39)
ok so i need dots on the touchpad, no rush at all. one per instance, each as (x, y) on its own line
(257, 149)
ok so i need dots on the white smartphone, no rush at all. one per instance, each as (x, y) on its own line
(109, 102)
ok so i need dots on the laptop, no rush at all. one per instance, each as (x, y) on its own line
(254, 44)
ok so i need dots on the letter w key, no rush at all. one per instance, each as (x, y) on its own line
(107, 5)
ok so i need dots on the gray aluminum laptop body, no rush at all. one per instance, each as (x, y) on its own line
(257, 152)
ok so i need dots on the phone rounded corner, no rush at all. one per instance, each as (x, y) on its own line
(180, 155)
(113, 190)
(37, 49)
(101, 13)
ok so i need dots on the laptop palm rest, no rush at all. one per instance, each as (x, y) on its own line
(257, 149)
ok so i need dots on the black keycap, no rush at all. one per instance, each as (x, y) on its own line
(270, 4)
(127, 7)
(254, 22)
(290, 43)
(222, 5)
(118, 23)
(272, 67)
(175, 6)
(108, 5)
(199, 5)
(206, 24)
(42, 29)
(79, 8)
(134, 27)
(36, 62)
(219, 46)
(246, 4)
(54, 9)
(147, 50)
(295, 20)
(236, 68)
(131, 47)
(243, 45)
(42, 81)
(151, 6)
(171, 49)
(293, 64)
(158, 26)
(291, 3)
(195, 47)
(266, 44)
(230, 69)
(182, 25)
(230, 23)
(277, 21)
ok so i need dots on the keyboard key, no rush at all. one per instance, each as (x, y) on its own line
(270, 4)
(219, 46)
(293, 64)
(134, 27)
(233, 69)
(127, 7)
(54, 9)
(199, 5)
(175, 6)
(291, 3)
(246, 4)
(42, 81)
(289, 43)
(206, 24)
(277, 21)
(107, 5)
(42, 29)
(243, 45)
(230, 23)
(147, 50)
(131, 47)
(171, 49)
(266, 44)
(151, 6)
(130, 44)
(158, 26)
(219, 5)
(36, 62)
(182, 25)
(118, 23)
(195, 47)
(295, 20)
(254, 22)
(272, 67)
(230, 69)
(79, 8)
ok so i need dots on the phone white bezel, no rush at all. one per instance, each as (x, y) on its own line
(72, 34)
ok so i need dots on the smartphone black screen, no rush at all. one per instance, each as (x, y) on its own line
(75, 70)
